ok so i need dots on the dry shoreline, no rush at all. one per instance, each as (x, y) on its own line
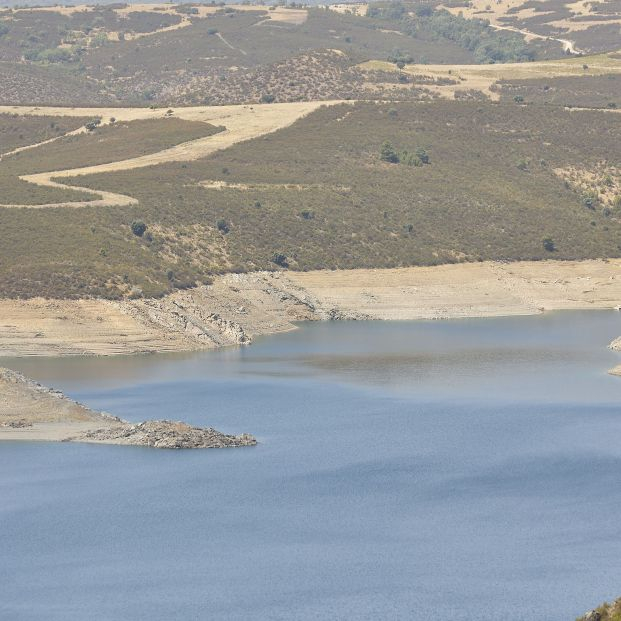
(239, 307)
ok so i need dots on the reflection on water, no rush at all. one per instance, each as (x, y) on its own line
(553, 357)
(455, 470)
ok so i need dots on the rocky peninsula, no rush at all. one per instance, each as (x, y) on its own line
(32, 412)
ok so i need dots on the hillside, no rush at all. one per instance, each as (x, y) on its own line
(449, 134)
(503, 181)
(198, 54)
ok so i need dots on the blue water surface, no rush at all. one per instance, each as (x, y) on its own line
(467, 470)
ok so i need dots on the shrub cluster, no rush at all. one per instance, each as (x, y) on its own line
(389, 154)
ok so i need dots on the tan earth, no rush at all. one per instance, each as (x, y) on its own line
(239, 307)
(483, 77)
(241, 123)
(38, 404)
(355, 8)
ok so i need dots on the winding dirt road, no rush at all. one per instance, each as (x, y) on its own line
(241, 123)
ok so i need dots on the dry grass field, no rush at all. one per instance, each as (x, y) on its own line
(484, 78)
(126, 145)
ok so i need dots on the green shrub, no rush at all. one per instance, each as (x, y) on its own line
(280, 259)
(138, 228)
(388, 153)
(223, 226)
(548, 244)
(590, 199)
(91, 125)
(422, 155)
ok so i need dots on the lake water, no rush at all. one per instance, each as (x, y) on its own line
(467, 470)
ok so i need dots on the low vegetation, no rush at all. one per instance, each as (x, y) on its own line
(475, 35)
(101, 145)
(587, 91)
(19, 131)
(110, 55)
(332, 204)
(605, 612)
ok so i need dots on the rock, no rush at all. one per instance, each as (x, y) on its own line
(16, 424)
(165, 434)
(616, 344)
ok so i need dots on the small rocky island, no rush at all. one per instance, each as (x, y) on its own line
(32, 412)
(163, 434)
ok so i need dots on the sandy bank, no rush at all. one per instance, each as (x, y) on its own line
(31, 412)
(239, 307)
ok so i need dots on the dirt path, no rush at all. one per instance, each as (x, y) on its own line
(241, 123)
(568, 46)
(237, 49)
(239, 307)
(300, 187)
(483, 77)
(496, 11)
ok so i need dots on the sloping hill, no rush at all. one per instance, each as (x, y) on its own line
(502, 182)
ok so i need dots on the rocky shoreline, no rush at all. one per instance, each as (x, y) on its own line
(605, 612)
(164, 434)
(32, 412)
(237, 308)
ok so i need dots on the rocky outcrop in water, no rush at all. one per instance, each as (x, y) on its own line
(30, 411)
(164, 434)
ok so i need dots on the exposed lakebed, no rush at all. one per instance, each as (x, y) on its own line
(466, 469)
